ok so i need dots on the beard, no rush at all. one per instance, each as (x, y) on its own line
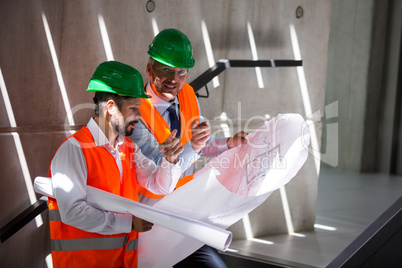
(122, 127)
(127, 130)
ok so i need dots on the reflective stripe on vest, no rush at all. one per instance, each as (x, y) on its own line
(189, 112)
(132, 245)
(54, 215)
(73, 245)
(88, 243)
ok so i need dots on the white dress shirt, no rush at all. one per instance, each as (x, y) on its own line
(69, 179)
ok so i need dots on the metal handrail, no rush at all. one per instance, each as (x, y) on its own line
(22, 219)
(224, 64)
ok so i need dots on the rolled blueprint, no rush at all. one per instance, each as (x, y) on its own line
(229, 187)
(205, 233)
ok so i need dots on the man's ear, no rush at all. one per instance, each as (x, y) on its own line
(111, 107)
(149, 70)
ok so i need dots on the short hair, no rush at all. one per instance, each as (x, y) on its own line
(151, 61)
(101, 98)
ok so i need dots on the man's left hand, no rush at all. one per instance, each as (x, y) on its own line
(236, 140)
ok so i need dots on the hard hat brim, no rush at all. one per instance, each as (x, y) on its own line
(95, 85)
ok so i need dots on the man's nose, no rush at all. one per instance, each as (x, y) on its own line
(173, 76)
(137, 114)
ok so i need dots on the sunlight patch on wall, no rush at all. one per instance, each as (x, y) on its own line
(155, 27)
(226, 130)
(225, 127)
(286, 210)
(59, 76)
(254, 55)
(105, 38)
(49, 261)
(208, 50)
(249, 232)
(247, 227)
(305, 97)
(18, 146)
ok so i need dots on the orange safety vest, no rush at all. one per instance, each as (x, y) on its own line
(73, 247)
(160, 130)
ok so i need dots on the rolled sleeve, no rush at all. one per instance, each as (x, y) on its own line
(123, 223)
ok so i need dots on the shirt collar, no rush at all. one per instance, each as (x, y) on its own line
(98, 135)
(159, 104)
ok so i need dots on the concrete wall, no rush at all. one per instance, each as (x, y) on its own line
(364, 57)
(390, 145)
(51, 47)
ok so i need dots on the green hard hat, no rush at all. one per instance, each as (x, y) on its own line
(118, 78)
(172, 48)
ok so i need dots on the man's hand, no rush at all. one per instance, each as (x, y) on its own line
(171, 148)
(140, 225)
(236, 140)
(200, 135)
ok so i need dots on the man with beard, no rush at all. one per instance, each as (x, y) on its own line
(174, 106)
(99, 155)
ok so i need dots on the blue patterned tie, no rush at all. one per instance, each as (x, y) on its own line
(174, 120)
